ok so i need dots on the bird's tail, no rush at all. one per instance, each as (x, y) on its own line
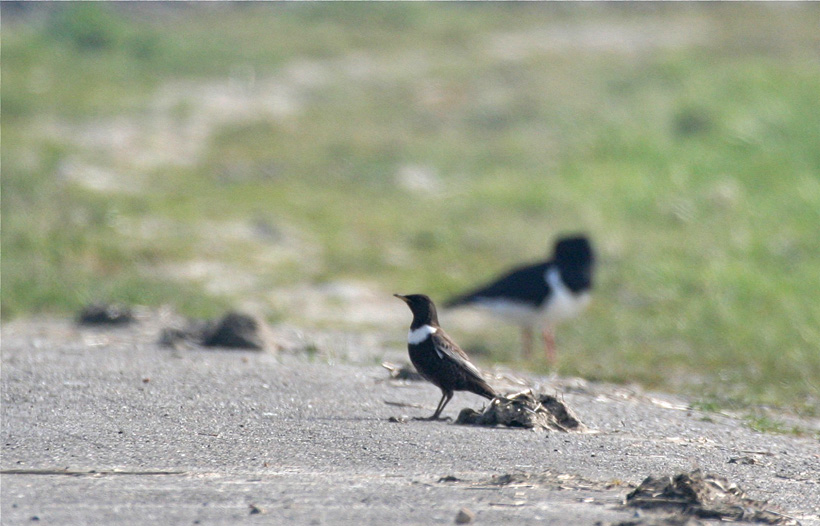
(484, 389)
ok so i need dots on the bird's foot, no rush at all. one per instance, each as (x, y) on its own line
(433, 418)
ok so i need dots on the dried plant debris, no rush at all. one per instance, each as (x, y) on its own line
(181, 337)
(233, 330)
(703, 496)
(547, 479)
(544, 479)
(403, 371)
(105, 314)
(672, 520)
(525, 409)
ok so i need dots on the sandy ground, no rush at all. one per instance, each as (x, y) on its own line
(103, 426)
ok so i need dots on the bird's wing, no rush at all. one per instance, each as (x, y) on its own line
(526, 283)
(448, 350)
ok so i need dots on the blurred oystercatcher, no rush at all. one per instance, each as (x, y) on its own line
(541, 295)
(438, 358)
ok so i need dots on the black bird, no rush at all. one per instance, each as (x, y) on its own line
(539, 296)
(437, 358)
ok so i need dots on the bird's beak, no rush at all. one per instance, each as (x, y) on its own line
(403, 298)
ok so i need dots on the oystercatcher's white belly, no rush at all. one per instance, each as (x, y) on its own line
(563, 304)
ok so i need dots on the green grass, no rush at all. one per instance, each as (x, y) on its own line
(765, 424)
(693, 166)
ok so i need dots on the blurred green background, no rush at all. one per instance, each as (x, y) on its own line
(211, 155)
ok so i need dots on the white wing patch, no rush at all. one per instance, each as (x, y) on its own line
(419, 335)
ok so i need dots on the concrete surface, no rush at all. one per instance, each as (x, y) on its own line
(105, 427)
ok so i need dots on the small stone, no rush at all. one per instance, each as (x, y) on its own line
(232, 331)
(743, 460)
(465, 516)
(235, 330)
(256, 509)
(105, 314)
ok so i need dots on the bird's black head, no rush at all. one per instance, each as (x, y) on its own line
(424, 312)
(576, 260)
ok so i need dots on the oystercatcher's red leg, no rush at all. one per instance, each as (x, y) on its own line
(526, 341)
(549, 345)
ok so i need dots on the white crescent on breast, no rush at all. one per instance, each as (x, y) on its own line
(420, 334)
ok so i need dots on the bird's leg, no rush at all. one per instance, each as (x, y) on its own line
(526, 341)
(549, 345)
(445, 398)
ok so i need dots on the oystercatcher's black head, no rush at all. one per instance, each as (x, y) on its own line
(424, 312)
(575, 259)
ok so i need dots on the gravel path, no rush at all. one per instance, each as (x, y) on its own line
(103, 426)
